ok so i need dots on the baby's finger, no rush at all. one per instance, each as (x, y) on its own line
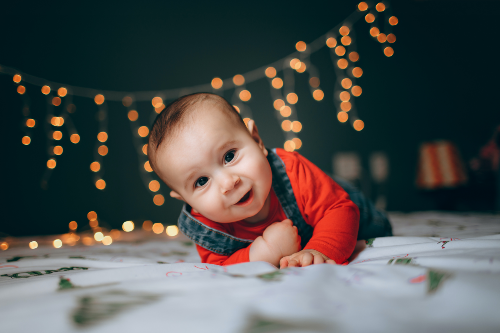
(318, 259)
(283, 262)
(331, 262)
(306, 259)
(293, 263)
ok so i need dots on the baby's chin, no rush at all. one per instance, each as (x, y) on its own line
(229, 218)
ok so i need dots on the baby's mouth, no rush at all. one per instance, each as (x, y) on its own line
(245, 198)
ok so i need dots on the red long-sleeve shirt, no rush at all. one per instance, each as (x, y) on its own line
(323, 204)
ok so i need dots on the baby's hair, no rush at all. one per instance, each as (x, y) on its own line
(173, 116)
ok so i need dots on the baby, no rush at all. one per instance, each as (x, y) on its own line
(244, 202)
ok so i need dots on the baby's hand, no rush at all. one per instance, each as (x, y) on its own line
(305, 258)
(278, 240)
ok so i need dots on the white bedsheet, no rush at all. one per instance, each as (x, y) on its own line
(398, 284)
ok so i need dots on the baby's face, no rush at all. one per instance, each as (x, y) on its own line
(216, 166)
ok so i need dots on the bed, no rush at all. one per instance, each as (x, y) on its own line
(439, 273)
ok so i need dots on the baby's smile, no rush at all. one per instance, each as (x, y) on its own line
(246, 199)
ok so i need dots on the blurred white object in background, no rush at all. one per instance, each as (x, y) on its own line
(379, 166)
(347, 166)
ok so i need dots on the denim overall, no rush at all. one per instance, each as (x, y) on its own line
(372, 223)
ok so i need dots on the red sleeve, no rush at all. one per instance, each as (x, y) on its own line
(209, 257)
(325, 206)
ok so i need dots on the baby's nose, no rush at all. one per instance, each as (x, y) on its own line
(229, 182)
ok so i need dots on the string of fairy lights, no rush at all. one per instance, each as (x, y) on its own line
(341, 41)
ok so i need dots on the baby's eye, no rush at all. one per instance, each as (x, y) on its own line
(229, 157)
(201, 181)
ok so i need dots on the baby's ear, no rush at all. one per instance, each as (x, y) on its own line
(254, 132)
(176, 195)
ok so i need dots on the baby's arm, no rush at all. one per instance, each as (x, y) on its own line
(280, 239)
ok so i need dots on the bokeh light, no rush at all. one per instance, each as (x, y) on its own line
(156, 101)
(285, 111)
(102, 150)
(345, 106)
(342, 116)
(314, 82)
(71, 108)
(363, 6)
(286, 125)
(301, 46)
(45, 90)
(245, 95)
(292, 98)
(154, 186)
(127, 101)
(92, 216)
(302, 68)
(26, 140)
(356, 91)
(346, 83)
(158, 228)
(30, 122)
(4, 246)
(143, 131)
(357, 72)
(57, 243)
(297, 142)
(33, 245)
(345, 97)
(393, 20)
(346, 40)
(340, 50)
(295, 63)
(278, 104)
(370, 18)
(99, 99)
(17, 78)
(56, 101)
(95, 166)
(128, 226)
(88, 241)
(389, 51)
(98, 236)
(21, 90)
(107, 240)
(354, 56)
(391, 38)
(217, 83)
(100, 184)
(380, 7)
(51, 164)
(318, 94)
(344, 30)
(289, 145)
(270, 72)
(62, 91)
(73, 225)
(57, 135)
(374, 32)
(382, 38)
(133, 115)
(159, 200)
(145, 149)
(296, 126)
(75, 138)
(331, 42)
(102, 136)
(93, 224)
(342, 63)
(147, 167)
(172, 230)
(238, 80)
(147, 225)
(277, 83)
(358, 125)
(58, 150)
(236, 108)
